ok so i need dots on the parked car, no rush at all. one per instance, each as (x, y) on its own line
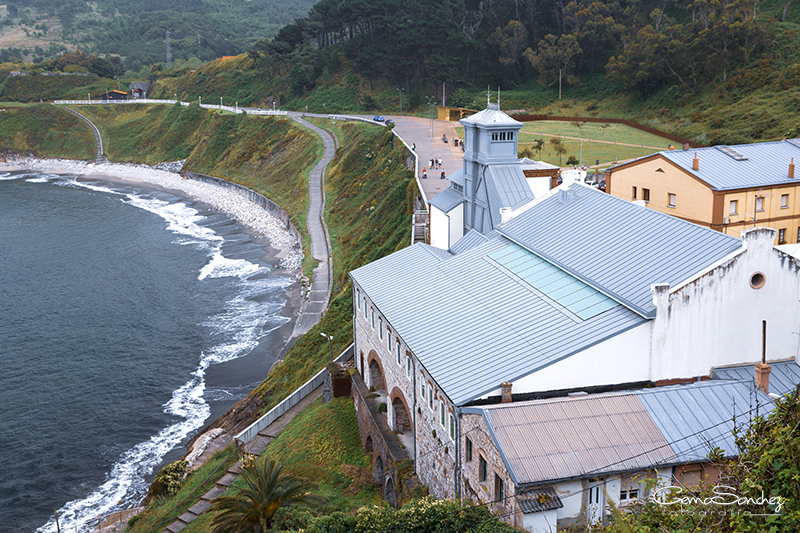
(378, 118)
(389, 122)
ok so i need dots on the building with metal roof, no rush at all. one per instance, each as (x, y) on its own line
(727, 188)
(567, 459)
(574, 290)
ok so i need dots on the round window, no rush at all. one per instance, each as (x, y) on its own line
(757, 280)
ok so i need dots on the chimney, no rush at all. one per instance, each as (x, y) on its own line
(695, 162)
(791, 169)
(763, 369)
(506, 388)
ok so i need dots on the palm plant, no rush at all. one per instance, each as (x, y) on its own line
(266, 489)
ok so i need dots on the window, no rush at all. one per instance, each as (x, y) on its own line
(798, 234)
(358, 299)
(452, 428)
(389, 339)
(782, 236)
(442, 412)
(502, 136)
(422, 387)
(380, 329)
(734, 207)
(691, 478)
(408, 367)
(398, 353)
(627, 495)
(494, 136)
(646, 195)
(468, 450)
(759, 203)
(510, 135)
(481, 469)
(430, 397)
(634, 193)
(498, 488)
(784, 201)
(365, 307)
(670, 199)
(373, 318)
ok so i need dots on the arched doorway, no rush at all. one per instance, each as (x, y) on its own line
(376, 380)
(401, 419)
(389, 493)
(377, 472)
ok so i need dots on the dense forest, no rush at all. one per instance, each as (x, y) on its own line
(135, 30)
(639, 45)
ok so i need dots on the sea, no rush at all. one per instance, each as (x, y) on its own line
(130, 318)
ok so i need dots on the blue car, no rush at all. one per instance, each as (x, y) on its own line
(378, 118)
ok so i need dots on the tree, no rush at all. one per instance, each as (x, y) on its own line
(553, 59)
(558, 147)
(511, 41)
(266, 490)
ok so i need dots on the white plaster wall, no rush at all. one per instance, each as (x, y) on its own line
(544, 522)
(620, 359)
(716, 319)
(439, 228)
(456, 224)
(539, 185)
(571, 494)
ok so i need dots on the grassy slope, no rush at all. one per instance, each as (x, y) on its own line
(45, 131)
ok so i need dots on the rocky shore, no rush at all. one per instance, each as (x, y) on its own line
(259, 222)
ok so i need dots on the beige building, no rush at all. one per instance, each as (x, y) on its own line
(727, 188)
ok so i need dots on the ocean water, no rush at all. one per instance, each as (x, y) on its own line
(128, 318)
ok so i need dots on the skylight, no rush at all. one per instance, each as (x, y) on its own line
(561, 287)
(727, 150)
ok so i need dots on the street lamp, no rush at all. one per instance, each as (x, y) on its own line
(330, 348)
(220, 102)
(400, 93)
(431, 103)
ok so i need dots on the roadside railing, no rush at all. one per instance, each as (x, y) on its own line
(232, 109)
(293, 399)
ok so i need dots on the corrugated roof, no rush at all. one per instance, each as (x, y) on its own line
(567, 438)
(447, 200)
(615, 245)
(544, 441)
(538, 500)
(783, 378)
(453, 311)
(470, 240)
(457, 176)
(698, 417)
(506, 187)
(764, 164)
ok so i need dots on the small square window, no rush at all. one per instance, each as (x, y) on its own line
(467, 450)
(782, 236)
(734, 207)
(784, 201)
(670, 199)
(759, 203)
(646, 195)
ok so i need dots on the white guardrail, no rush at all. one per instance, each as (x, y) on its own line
(307, 388)
(232, 109)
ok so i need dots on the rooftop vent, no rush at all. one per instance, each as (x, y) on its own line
(727, 150)
(791, 168)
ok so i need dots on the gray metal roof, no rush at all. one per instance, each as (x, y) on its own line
(507, 187)
(447, 200)
(783, 378)
(566, 438)
(616, 246)
(544, 441)
(695, 418)
(457, 176)
(452, 311)
(764, 164)
(530, 164)
(490, 116)
(471, 239)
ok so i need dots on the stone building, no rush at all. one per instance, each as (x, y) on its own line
(576, 290)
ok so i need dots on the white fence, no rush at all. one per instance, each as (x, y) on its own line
(307, 388)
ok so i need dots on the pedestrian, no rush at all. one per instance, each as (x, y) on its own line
(431, 162)
(414, 147)
(440, 163)
(424, 173)
(442, 176)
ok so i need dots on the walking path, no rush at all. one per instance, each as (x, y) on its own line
(255, 447)
(591, 140)
(322, 277)
(101, 158)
